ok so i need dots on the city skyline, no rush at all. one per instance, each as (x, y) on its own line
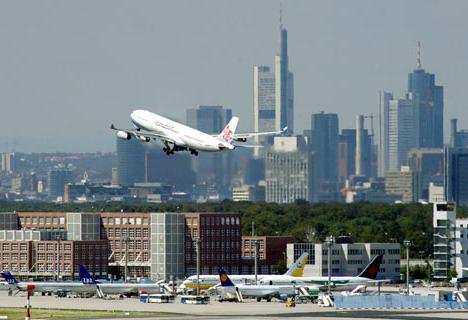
(72, 81)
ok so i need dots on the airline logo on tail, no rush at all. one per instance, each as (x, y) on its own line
(85, 277)
(9, 278)
(372, 268)
(227, 134)
(224, 279)
(297, 269)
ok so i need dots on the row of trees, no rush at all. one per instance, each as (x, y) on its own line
(363, 222)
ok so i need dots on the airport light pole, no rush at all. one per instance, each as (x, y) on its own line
(58, 256)
(125, 239)
(329, 241)
(407, 244)
(255, 260)
(197, 247)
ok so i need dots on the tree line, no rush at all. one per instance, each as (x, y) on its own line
(306, 222)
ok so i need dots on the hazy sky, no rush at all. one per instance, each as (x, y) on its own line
(70, 68)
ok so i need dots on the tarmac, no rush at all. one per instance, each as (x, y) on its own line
(226, 310)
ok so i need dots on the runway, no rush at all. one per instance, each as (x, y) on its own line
(216, 310)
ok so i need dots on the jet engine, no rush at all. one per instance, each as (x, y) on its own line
(124, 135)
(143, 138)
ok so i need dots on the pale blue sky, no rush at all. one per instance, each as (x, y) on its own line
(70, 68)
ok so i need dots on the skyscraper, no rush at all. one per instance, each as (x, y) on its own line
(383, 154)
(458, 138)
(289, 171)
(346, 154)
(264, 104)
(429, 104)
(456, 175)
(284, 86)
(130, 162)
(429, 164)
(324, 143)
(402, 131)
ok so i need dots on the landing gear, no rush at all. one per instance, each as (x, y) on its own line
(168, 149)
(194, 152)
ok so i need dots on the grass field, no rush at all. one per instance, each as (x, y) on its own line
(19, 313)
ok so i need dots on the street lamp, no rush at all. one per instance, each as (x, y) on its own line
(329, 241)
(197, 247)
(407, 244)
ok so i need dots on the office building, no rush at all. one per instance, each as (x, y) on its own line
(284, 85)
(444, 223)
(458, 138)
(384, 134)
(212, 169)
(7, 162)
(56, 181)
(289, 171)
(456, 175)
(8, 221)
(220, 238)
(130, 161)
(264, 105)
(83, 226)
(348, 259)
(248, 193)
(129, 236)
(167, 245)
(402, 133)
(429, 164)
(346, 154)
(404, 183)
(429, 104)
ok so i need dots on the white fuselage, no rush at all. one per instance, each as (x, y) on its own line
(259, 291)
(44, 286)
(314, 281)
(208, 281)
(182, 135)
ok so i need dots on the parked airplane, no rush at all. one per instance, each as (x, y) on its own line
(179, 137)
(61, 288)
(228, 288)
(208, 281)
(368, 275)
(121, 288)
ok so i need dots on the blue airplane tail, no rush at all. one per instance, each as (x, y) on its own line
(223, 277)
(9, 277)
(85, 277)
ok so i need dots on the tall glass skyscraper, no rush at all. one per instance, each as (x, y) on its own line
(284, 85)
(130, 161)
(324, 143)
(429, 103)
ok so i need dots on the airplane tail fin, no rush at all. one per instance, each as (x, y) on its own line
(224, 279)
(297, 269)
(372, 268)
(227, 135)
(85, 276)
(9, 277)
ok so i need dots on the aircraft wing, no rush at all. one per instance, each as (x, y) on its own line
(141, 135)
(256, 134)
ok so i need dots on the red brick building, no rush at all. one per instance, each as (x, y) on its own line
(220, 237)
(271, 251)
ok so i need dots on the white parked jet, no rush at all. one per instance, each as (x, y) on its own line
(228, 288)
(178, 137)
(207, 281)
(61, 288)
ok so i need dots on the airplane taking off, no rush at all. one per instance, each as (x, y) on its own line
(179, 137)
(61, 288)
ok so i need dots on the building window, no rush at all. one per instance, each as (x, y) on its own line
(145, 232)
